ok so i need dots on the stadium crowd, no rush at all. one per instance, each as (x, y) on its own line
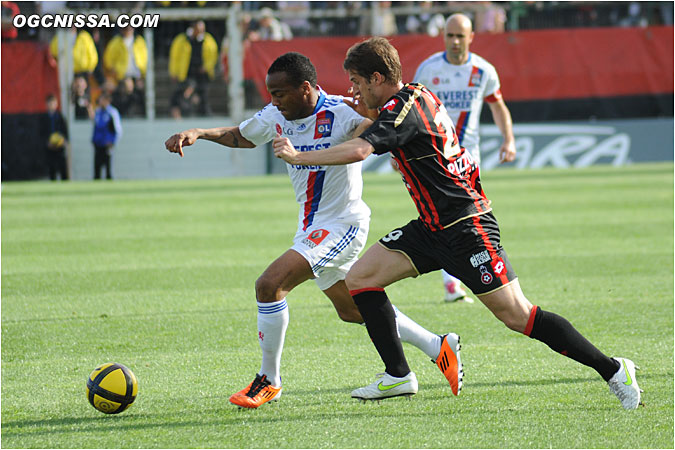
(194, 53)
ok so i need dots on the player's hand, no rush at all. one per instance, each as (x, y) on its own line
(185, 138)
(507, 152)
(358, 105)
(284, 149)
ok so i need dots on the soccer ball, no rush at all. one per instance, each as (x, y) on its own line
(56, 140)
(111, 388)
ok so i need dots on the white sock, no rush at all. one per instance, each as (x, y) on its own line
(413, 333)
(447, 278)
(272, 324)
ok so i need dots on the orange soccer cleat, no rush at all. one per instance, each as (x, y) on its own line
(260, 391)
(450, 363)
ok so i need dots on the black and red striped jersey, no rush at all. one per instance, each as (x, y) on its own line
(441, 177)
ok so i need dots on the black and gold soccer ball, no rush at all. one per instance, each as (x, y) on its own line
(112, 388)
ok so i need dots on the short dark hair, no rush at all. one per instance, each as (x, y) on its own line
(374, 55)
(297, 67)
(50, 97)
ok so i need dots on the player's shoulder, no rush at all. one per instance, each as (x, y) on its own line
(269, 112)
(432, 61)
(480, 62)
(336, 104)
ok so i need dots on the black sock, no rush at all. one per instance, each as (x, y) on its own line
(559, 334)
(380, 319)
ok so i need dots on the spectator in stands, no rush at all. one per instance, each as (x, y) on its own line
(298, 23)
(80, 96)
(107, 131)
(185, 101)
(126, 56)
(491, 18)
(383, 21)
(426, 22)
(54, 134)
(128, 100)
(270, 28)
(9, 10)
(100, 49)
(193, 55)
(85, 56)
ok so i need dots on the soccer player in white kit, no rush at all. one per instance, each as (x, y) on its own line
(332, 223)
(462, 81)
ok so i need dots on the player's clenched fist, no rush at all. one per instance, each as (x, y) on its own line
(284, 149)
(185, 138)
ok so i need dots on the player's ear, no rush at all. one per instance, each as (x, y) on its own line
(306, 87)
(377, 78)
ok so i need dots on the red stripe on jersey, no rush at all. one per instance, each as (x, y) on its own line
(494, 97)
(418, 191)
(311, 180)
(488, 246)
(439, 152)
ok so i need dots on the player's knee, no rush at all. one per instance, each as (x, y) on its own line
(266, 290)
(356, 281)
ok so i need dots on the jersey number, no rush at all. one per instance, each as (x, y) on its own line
(393, 236)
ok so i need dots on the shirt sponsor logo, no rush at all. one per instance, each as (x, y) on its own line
(479, 258)
(436, 80)
(279, 130)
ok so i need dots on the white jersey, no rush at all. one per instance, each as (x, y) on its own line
(326, 194)
(462, 90)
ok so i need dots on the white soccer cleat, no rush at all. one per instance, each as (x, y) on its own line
(388, 386)
(455, 293)
(624, 384)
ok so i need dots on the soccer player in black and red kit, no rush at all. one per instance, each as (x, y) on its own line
(455, 230)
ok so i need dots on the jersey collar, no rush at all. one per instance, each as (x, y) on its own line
(319, 103)
(445, 58)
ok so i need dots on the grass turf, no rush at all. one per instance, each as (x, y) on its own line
(158, 275)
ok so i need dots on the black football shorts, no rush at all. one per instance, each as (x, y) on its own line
(468, 250)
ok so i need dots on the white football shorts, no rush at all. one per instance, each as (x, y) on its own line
(331, 249)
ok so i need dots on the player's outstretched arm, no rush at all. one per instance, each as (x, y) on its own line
(348, 152)
(502, 118)
(227, 136)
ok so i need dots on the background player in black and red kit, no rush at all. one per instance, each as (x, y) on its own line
(455, 231)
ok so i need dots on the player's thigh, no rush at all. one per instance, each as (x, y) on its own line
(379, 267)
(404, 252)
(281, 276)
(471, 251)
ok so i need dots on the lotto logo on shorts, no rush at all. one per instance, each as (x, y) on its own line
(498, 267)
(485, 276)
(315, 238)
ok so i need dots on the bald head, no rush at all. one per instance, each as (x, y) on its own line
(458, 36)
(459, 20)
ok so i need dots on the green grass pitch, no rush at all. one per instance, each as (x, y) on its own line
(159, 275)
